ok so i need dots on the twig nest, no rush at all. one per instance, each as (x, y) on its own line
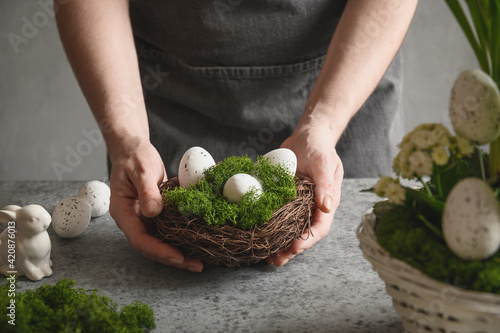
(471, 220)
(233, 246)
(475, 107)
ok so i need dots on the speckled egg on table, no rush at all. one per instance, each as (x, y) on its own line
(71, 217)
(97, 195)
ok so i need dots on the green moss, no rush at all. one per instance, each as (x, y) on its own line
(64, 308)
(205, 198)
(405, 237)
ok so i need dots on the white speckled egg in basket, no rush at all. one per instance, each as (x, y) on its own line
(240, 184)
(194, 161)
(71, 217)
(471, 220)
(285, 157)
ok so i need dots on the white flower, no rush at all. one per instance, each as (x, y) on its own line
(406, 171)
(421, 163)
(380, 186)
(425, 126)
(465, 146)
(395, 193)
(396, 162)
(441, 135)
(422, 139)
(440, 155)
(401, 164)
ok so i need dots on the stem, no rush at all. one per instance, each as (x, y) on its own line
(438, 184)
(494, 164)
(427, 189)
(481, 164)
(491, 162)
(431, 227)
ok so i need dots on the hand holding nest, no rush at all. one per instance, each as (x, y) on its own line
(135, 175)
(314, 144)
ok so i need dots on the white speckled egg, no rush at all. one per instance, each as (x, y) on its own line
(471, 220)
(71, 217)
(475, 107)
(97, 194)
(194, 161)
(240, 184)
(285, 157)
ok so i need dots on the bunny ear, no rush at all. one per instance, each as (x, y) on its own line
(7, 216)
(12, 208)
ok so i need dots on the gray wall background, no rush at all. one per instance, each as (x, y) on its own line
(45, 121)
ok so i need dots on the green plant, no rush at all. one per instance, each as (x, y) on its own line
(483, 33)
(437, 160)
(414, 225)
(402, 234)
(65, 308)
(205, 199)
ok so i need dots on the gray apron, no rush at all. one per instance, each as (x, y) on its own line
(233, 76)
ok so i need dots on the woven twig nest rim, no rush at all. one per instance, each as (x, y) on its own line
(233, 246)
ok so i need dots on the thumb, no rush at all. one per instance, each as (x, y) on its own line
(324, 195)
(150, 199)
(327, 188)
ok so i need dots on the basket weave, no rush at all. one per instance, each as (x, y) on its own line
(425, 304)
(233, 246)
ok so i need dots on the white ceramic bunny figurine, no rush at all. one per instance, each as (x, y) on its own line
(29, 246)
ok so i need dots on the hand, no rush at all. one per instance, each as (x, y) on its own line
(313, 142)
(135, 175)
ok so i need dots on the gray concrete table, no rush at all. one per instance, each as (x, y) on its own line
(329, 288)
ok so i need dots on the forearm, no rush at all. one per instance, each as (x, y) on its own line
(97, 37)
(366, 40)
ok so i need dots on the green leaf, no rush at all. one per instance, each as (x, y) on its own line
(495, 41)
(480, 27)
(457, 10)
(381, 208)
(425, 199)
(431, 226)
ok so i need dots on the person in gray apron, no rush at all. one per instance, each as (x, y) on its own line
(245, 77)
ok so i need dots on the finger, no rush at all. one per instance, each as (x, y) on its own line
(150, 199)
(151, 247)
(191, 264)
(324, 189)
(282, 258)
(320, 226)
(328, 183)
(136, 232)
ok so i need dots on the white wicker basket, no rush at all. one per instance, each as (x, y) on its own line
(427, 305)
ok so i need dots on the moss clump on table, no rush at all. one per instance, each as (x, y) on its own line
(64, 308)
(401, 233)
(205, 199)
